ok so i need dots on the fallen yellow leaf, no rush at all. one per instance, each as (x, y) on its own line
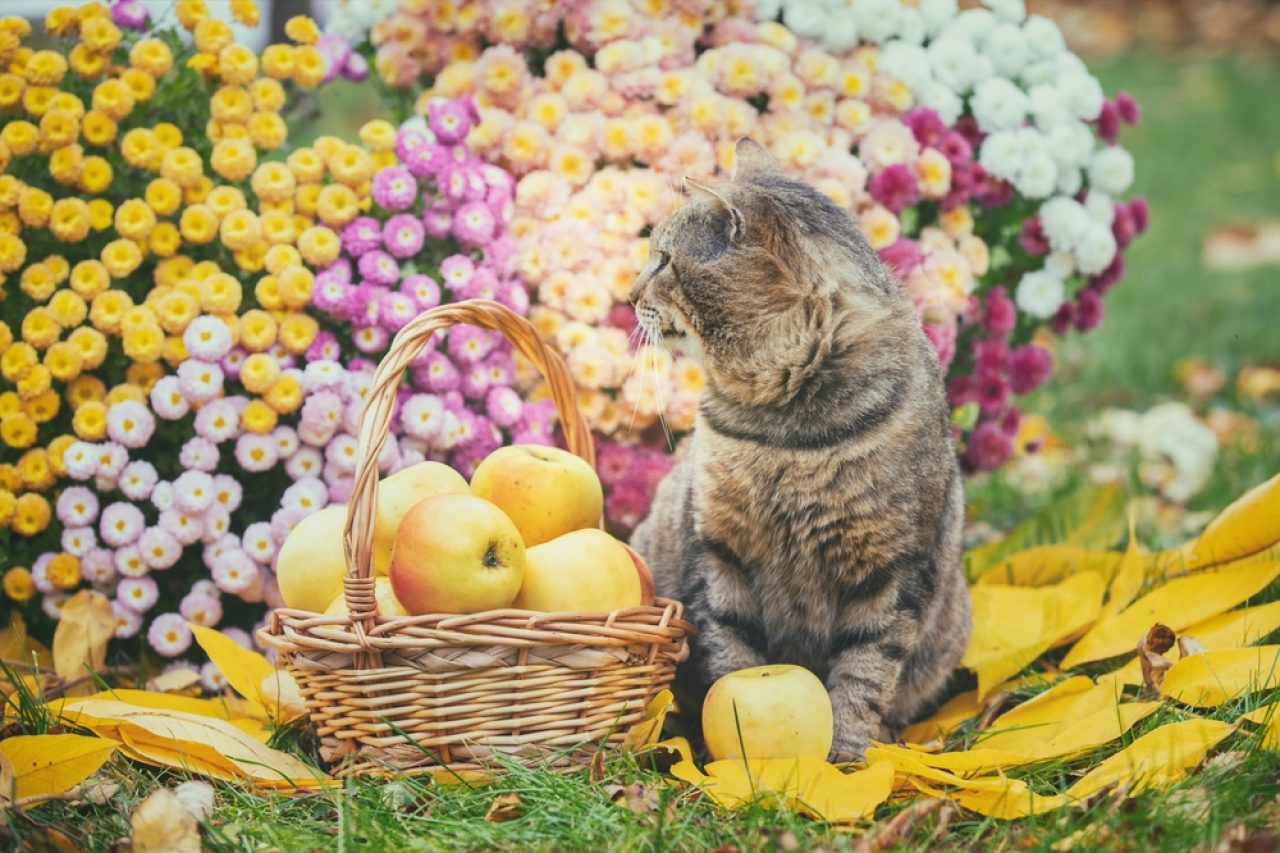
(1248, 525)
(649, 728)
(142, 746)
(809, 785)
(1022, 728)
(1268, 716)
(1010, 799)
(16, 645)
(1049, 564)
(1014, 625)
(255, 760)
(1208, 679)
(1128, 579)
(216, 708)
(85, 626)
(957, 710)
(52, 764)
(1157, 759)
(251, 675)
(1178, 603)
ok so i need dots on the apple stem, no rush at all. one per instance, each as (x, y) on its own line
(490, 556)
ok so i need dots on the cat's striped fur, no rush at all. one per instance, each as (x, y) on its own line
(817, 517)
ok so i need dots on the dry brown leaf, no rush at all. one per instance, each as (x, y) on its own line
(161, 824)
(504, 807)
(197, 798)
(100, 791)
(1151, 649)
(85, 626)
(596, 773)
(173, 681)
(18, 646)
(637, 797)
(1188, 646)
(893, 832)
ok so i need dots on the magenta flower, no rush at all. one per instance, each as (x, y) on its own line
(422, 289)
(926, 126)
(943, 338)
(902, 256)
(403, 235)
(468, 344)
(449, 120)
(988, 447)
(992, 393)
(1130, 112)
(1033, 239)
(1029, 368)
(129, 14)
(395, 310)
(394, 188)
(438, 219)
(1108, 122)
(895, 187)
(378, 268)
(1001, 314)
(1088, 310)
(362, 234)
(335, 50)
(473, 224)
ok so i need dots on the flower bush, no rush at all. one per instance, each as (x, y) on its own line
(975, 151)
(191, 315)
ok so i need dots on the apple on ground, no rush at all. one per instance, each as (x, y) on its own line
(546, 491)
(400, 491)
(310, 566)
(773, 711)
(584, 570)
(383, 595)
(456, 554)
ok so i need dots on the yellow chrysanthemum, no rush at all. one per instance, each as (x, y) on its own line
(220, 294)
(198, 224)
(302, 30)
(87, 62)
(144, 344)
(95, 175)
(152, 56)
(90, 344)
(11, 89)
(18, 430)
(259, 372)
(378, 135)
(165, 240)
(307, 166)
(20, 136)
(308, 67)
(39, 328)
(176, 311)
(44, 407)
(37, 283)
(286, 395)
(224, 199)
(319, 246)
(64, 361)
(36, 100)
(278, 61)
(297, 331)
(17, 359)
(135, 219)
(231, 104)
(45, 68)
(58, 128)
(83, 389)
(69, 308)
(66, 163)
(98, 129)
(36, 382)
(190, 13)
(99, 34)
(100, 214)
(183, 166)
(61, 21)
(273, 182)
(57, 449)
(121, 257)
(168, 135)
(163, 196)
(113, 99)
(12, 252)
(233, 159)
(140, 84)
(19, 585)
(337, 205)
(90, 420)
(108, 308)
(34, 207)
(306, 197)
(31, 512)
(267, 130)
(240, 230)
(139, 147)
(257, 330)
(279, 256)
(68, 103)
(245, 11)
(258, 417)
(89, 278)
(212, 35)
(63, 571)
(237, 64)
(278, 229)
(352, 165)
(198, 192)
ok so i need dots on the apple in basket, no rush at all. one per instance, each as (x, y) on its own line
(383, 595)
(546, 491)
(774, 711)
(399, 492)
(310, 566)
(585, 570)
(456, 554)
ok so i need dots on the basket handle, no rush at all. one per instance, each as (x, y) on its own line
(375, 423)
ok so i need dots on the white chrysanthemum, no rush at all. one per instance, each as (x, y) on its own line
(1083, 95)
(1060, 265)
(216, 522)
(306, 462)
(212, 679)
(1038, 177)
(1001, 154)
(162, 495)
(805, 18)
(1040, 294)
(137, 594)
(80, 460)
(257, 542)
(322, 375)
(307, 495)
(997, 104)
(121, 524)
(1111, 170)
(946, 103)
(1047, 107)
(193, 491)
(214, 550)
(889, 141)
(159, 548)
(877, 19)
(1040, 72)
(911, 25)
(956, 63)
(128, 622)
(77, 541)
(937, 15)
(204, 586)
(840, 34)
(907, 62)
(1007, 47)
(186, 528)
(1095, 249)
(422, 416)
(975, 23)
(129, 562)
(227, 491)
(1101, 207)
(1170, 434)
(1070, 181)
(78, 506)
(167, 399)
(207, 338)
(235, 571)
(352, 19)
(341, 453)
(1007, 10)
(1064, 221)
(1043, 37)
(137, 480)
(286, 439)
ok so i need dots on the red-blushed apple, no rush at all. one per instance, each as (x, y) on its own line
(773, 711)
(646, 575)
(402, 490)
(547, 491)
(456, 554)
(384, 598)
(584, 570)
(310, 566)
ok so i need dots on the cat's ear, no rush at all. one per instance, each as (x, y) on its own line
(736, 227)
(750, 159)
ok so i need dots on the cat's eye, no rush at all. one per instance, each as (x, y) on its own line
(663, 257)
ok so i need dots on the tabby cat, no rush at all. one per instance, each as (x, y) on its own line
(816, 519)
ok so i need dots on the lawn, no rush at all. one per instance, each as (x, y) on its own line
(1207, 152)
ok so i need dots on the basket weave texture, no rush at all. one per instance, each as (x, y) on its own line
(414, 694)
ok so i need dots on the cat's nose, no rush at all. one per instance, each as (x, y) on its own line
(637, 290)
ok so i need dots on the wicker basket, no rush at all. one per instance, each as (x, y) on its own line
(413, 694)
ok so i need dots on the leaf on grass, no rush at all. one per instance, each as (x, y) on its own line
(1155, 760)
(1088, 517)
(17, 645)
(504, 807)
(958, 709)
(1022, 728)
(1013, 625)
(1001, 798)
(1250, 524)
(154, 730)
(808, 785)
(1268, 716)
(1151, 659)
(174, 680)
(648, 728)
(86, 624)
(1128, 578)
(1049, 564)
(1234, 629)
(162, 825)
(251, 675)
(51, 764)
(1209, 679)
(219, 709)
(637, 797)
(1178, 604)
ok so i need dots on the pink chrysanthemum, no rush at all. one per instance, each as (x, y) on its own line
(169, 634)
(137, 594)
(394, 188)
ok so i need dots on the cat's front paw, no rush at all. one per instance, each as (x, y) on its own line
(846, 754)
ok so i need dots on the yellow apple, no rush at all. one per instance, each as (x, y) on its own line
(546, 491)
(775, 711)
(383, 595)
(456, 554)
(402, 490)
(310, 566)
(585, 570)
